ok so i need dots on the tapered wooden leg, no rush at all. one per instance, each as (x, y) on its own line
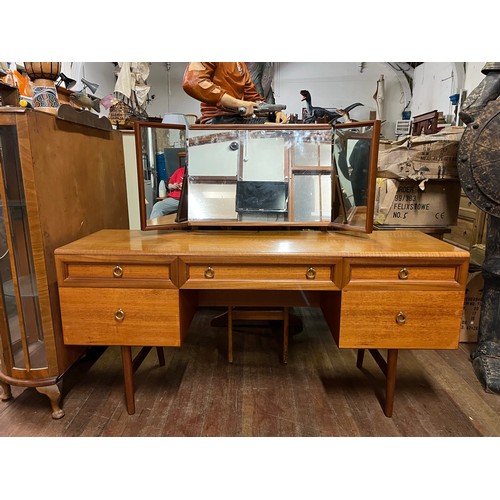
(53, 392)
(388, 368)
(360, 358)
(7, 392)
(128, 376)
(161, 356)
(230, 334)
(390, 384)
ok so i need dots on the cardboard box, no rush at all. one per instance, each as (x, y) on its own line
(472, 308)
(432, 203)
(421, 157)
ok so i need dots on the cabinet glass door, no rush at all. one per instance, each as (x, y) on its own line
(22, 343)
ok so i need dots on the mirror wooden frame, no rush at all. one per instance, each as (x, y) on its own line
(338, 202)
(138, 127)
(181, 221)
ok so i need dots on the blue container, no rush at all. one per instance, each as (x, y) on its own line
(161, 166)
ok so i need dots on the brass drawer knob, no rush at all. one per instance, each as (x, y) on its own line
(403, 274)
(117, 272)
(120, 315)
(209, 273)
(311, 273)
(401, 318)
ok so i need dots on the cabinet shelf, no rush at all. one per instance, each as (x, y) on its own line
(48, 195)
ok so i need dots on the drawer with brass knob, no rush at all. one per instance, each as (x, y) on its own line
(262, 276)
(407, 275)
(117, 274)
(113, 316)
(388, 319)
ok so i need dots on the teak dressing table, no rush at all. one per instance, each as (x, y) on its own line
(269, 216)
(384, 290)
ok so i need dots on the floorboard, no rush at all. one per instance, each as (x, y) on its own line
(319, 393)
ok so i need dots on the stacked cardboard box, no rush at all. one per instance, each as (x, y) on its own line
(411, 203)
(418, 181)
(421, 157)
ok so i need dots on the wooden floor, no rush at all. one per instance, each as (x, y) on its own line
(319, 393)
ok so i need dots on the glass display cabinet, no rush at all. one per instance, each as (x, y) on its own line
(59, 181)
(288, 175)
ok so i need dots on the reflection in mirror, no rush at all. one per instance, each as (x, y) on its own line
(257, 175)
(161, 159)
(253, 175)
(355, 152)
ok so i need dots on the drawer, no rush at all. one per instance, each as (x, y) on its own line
(114, 316)
(393, 320)
(467, 209)
(365, 275)
(258, 276)
(463, 234)
(118, 274)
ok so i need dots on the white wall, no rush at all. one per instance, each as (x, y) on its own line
(435, 82)
(101, 73)
(331, 84)
(166, 85)
(338, 84)
(473, 75)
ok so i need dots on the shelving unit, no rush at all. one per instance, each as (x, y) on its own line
(59, 181)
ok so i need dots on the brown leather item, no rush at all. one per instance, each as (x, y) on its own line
(209, 81)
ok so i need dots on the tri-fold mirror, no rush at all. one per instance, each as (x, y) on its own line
(283, 176)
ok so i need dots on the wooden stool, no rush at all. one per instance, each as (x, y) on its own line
(259, 314)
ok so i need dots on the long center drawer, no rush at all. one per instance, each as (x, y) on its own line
(259, 276)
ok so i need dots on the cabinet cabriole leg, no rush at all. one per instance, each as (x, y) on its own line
(7, 392)
(53, 392)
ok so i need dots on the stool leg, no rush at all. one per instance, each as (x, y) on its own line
(161, 356)
(230, 334)
(360, 358)
(285, 334)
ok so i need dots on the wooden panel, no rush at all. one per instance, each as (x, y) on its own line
(467, 209)
(368, 320)
(259, 276)
(430, 273)
(74, 183)
(462, 234)
(267, 247)
(118, 271)
(398, 273)
(264, 298)
(151, 316)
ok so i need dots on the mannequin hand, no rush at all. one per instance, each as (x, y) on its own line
(238, 105)
(250, 107)
(281, 117)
